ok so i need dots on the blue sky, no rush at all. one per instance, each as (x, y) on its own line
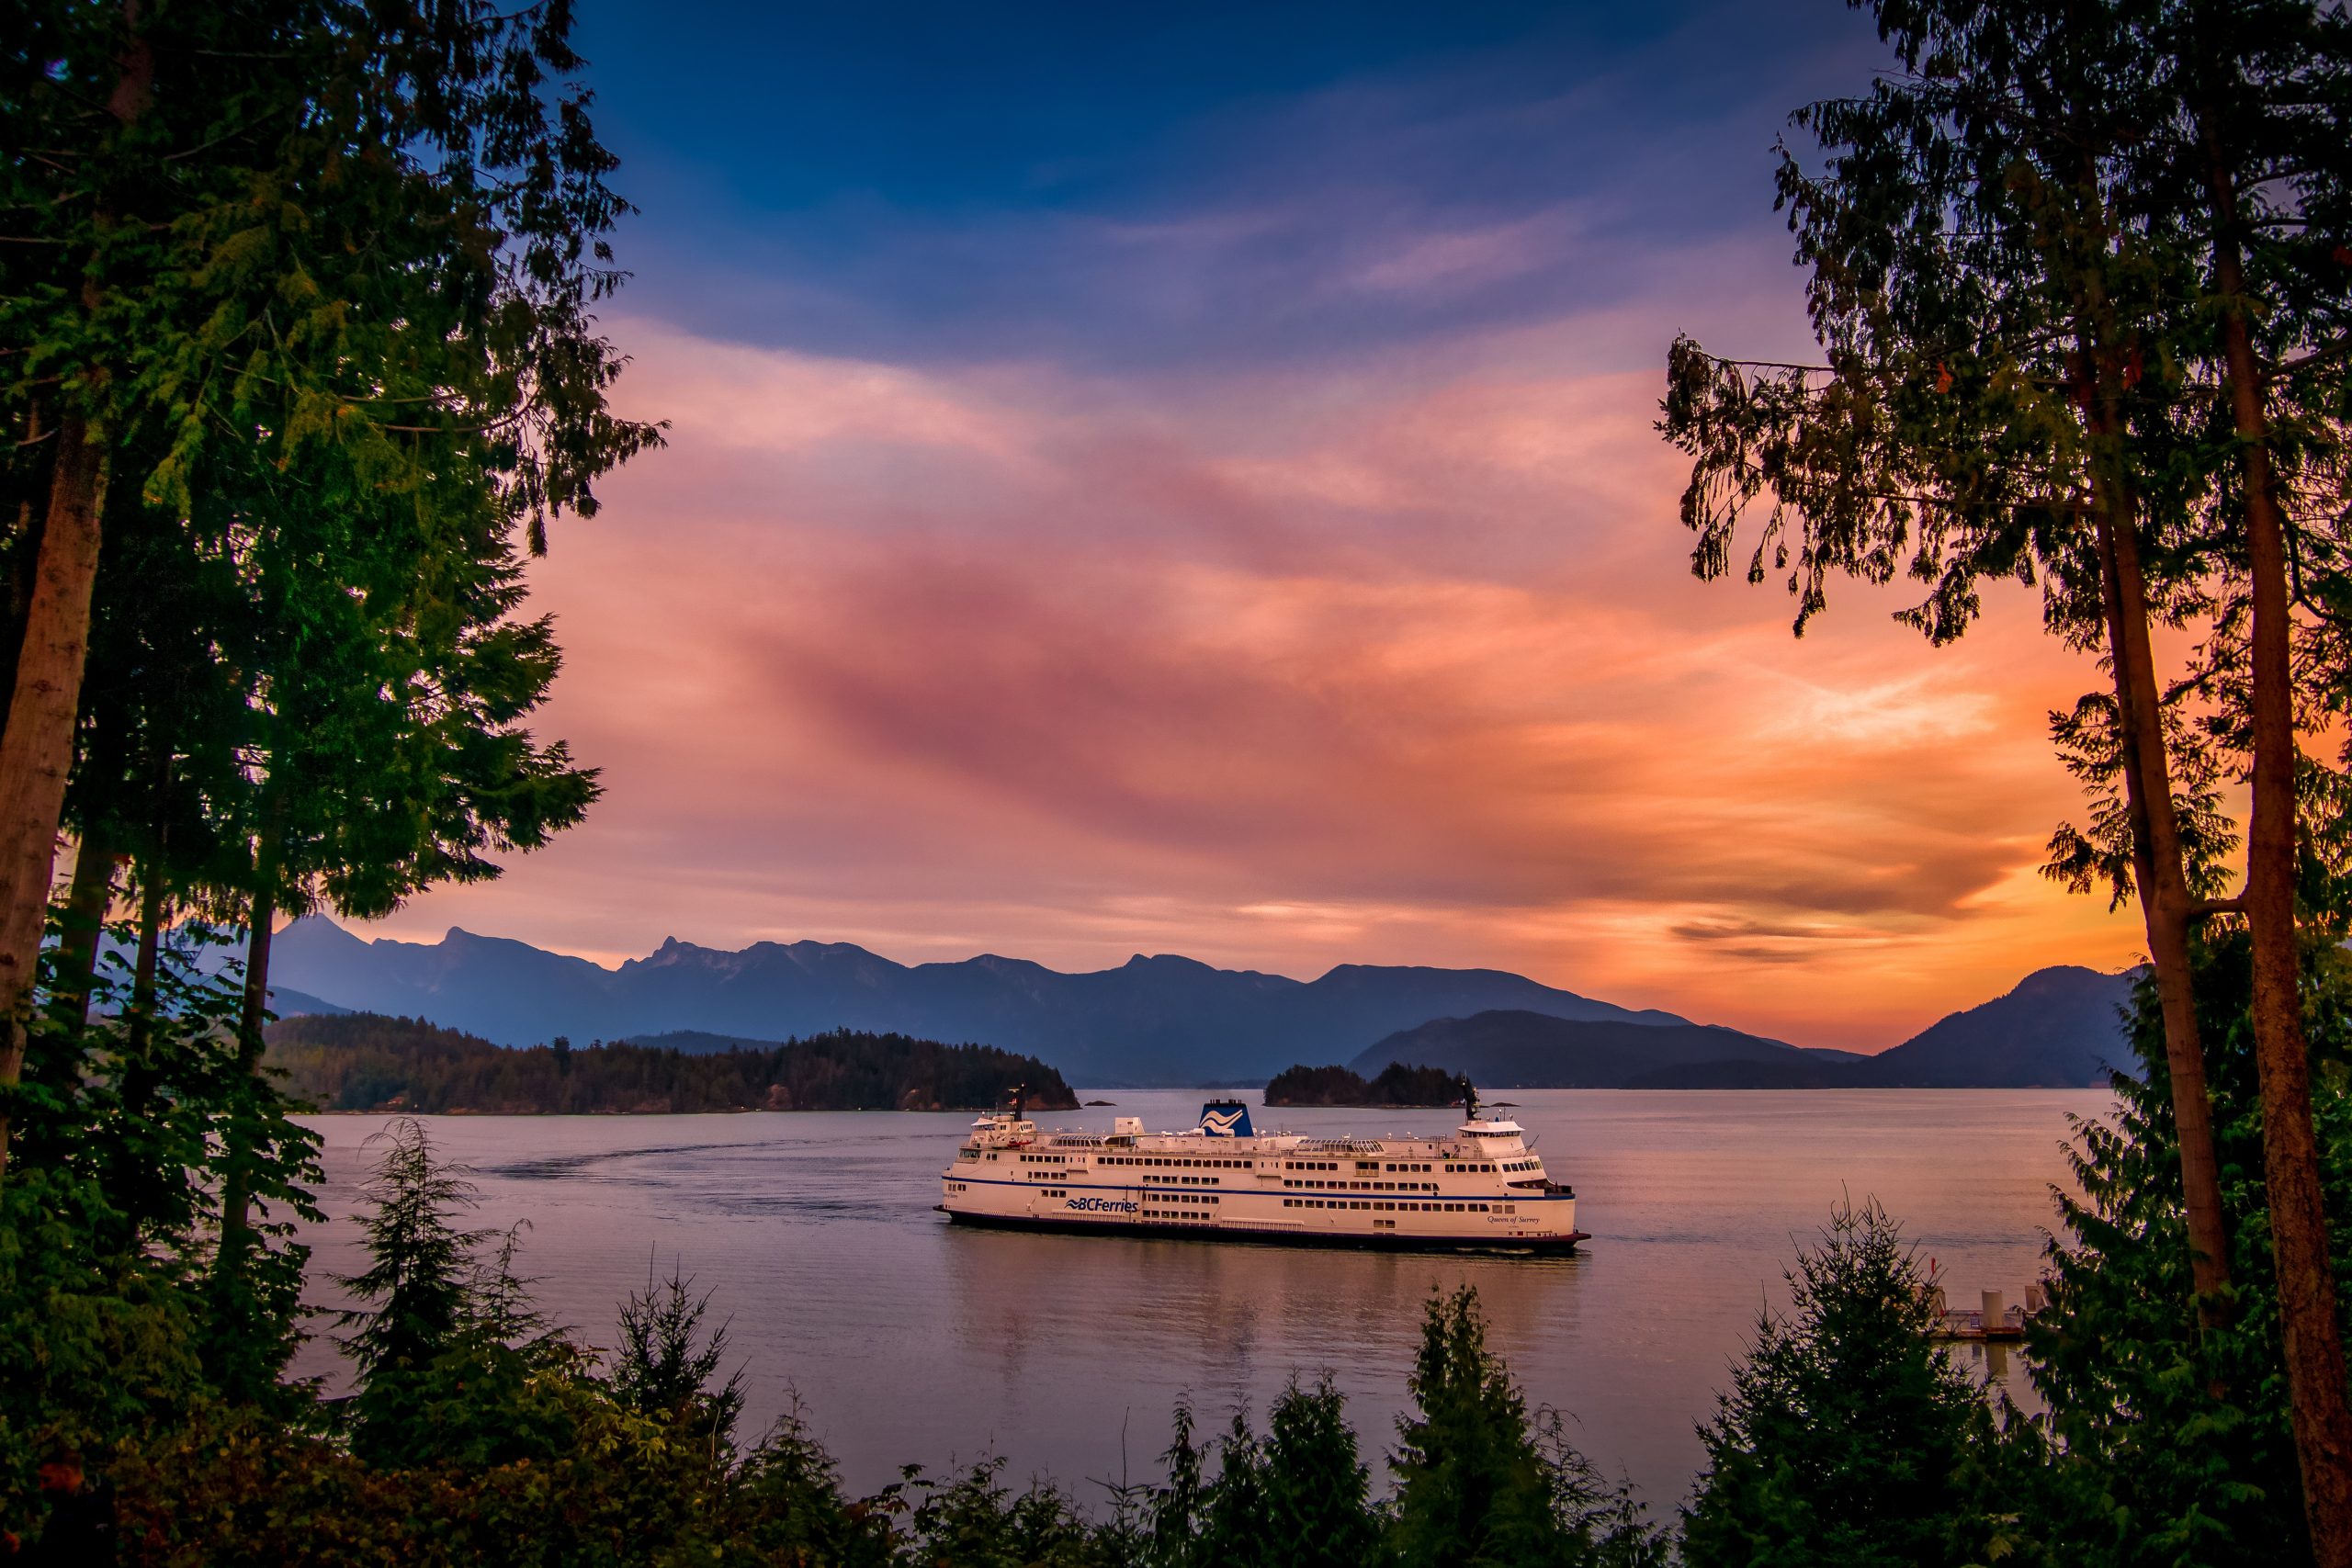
(1129, 186)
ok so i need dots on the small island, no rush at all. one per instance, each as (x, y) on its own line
(368, 1062)
(1396, 1085)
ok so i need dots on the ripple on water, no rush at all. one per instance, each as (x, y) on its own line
(911, 1339)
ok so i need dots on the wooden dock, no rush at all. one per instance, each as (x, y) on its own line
(1993, 1319)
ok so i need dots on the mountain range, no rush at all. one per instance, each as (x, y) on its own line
(1517, 1049)
(1163, 1019)
(1160, 1020)
(2059, 1029)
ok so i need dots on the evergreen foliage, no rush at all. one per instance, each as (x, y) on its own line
(368, 1062)
(1396, 1084)
(1847, 1438)
(1316, 1485)
(2128, 1374)
(1479, 1483)
(418, 1279)
(666, 1364)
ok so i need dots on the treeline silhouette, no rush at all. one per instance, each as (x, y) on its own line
(1396, 1085)
(365, 1061)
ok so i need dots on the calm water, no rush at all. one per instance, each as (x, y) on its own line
(909, 1339)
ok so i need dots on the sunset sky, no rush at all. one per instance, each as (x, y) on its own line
(1181, 479)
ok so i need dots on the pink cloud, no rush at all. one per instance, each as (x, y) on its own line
(1390, 664)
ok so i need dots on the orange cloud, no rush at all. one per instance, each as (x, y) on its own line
(1393, 667)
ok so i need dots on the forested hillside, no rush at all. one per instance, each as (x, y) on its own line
(369, 1062)
(1396, 1085)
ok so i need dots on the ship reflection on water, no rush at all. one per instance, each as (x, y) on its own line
(1236, 1312)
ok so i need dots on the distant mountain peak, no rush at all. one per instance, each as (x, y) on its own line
(1159, 1018)
(1177, 962)
(2059, 977)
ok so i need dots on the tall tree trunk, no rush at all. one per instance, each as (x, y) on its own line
(140, 1027)
(2162, 885)
(237, 1186)
(36, 748)
(91, 895)
(145, 1191)
(2157, 867)
(2309, 1326)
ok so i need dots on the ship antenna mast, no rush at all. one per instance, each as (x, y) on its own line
(1469, 1100)
(1020, 1099)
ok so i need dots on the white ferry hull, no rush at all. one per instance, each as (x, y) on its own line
(1549, 1242)
(1482, 1188)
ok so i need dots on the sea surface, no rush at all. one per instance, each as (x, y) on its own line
(908, 1340)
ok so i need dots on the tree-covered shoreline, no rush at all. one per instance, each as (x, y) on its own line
(1393, 1084)
(359, 1062)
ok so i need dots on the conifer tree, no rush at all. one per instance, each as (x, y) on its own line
(2255, 165)
(1472, 1487)
(1235, 1516)
(355, 237)
(1316, 1485)
(2006, 397)
(2149, 1467)
(2170, 183)
(666, 1364)
(419, 1280)
(1173, 1517)
(1848, 1438)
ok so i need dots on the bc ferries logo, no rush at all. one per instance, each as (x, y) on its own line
(1226, 1119)
(1103, 1205)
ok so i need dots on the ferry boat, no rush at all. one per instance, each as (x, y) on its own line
(1482, 1187)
